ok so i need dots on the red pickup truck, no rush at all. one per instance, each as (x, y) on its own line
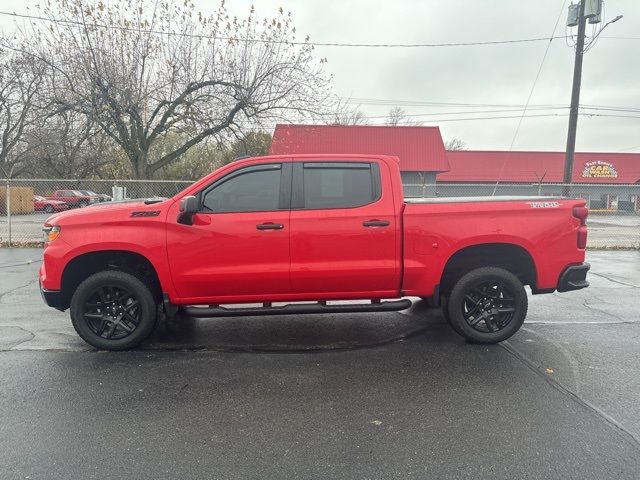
(314, 229)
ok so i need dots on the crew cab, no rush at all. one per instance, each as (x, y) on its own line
(295, 234)
(74, 198)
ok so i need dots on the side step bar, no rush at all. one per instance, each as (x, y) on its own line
(293, 309)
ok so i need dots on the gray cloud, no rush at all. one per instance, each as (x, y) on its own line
(483, 74)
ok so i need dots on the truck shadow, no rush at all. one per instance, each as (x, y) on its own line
(293, 333)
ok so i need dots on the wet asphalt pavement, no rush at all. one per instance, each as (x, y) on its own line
(389, 395)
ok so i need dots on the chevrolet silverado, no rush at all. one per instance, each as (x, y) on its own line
(309, 234)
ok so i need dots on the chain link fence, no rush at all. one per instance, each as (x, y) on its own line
(614, 220)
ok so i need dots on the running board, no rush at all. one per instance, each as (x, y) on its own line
(293, 309)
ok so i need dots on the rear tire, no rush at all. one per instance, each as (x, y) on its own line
(113, 310)
(48, 208)
(487, 305)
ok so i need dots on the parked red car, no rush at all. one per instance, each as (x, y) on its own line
(41, 204)
(310, 228)
(74, 198)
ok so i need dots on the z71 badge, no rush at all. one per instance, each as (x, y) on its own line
(544, 204)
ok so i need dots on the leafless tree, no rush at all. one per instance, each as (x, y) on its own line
(343, 113)
(397, 116)
(454, 144)
(19, 82)
(66, 145)
(143, 70)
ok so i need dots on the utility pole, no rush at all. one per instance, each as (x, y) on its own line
(575, 102)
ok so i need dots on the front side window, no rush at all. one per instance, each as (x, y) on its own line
(339, 184)
(251, 189)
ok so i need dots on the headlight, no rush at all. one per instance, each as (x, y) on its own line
(51, 233)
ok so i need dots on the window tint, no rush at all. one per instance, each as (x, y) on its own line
(338, 185)
(253, 189)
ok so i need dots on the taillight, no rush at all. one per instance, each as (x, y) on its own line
(581, 213)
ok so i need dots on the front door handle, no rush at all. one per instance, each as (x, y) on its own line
(376, 223)
(270, 226)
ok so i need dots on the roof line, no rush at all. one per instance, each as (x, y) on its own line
(296, 125)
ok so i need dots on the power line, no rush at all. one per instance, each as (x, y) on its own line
(510, 110)
(425, 103)
(503, 117)
(269, 41)
(466, 112)
(533, 86)
(418, 103)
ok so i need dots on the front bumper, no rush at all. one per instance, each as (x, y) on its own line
(574, 278)
(53, 298)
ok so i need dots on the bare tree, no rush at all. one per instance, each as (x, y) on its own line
(343, 113)
(454, 144)
(66, 145)
(143, 70)
(250, 144)
(397, 116)
(19, 82)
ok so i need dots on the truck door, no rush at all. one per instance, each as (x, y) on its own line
(343, 230)
(238, 244)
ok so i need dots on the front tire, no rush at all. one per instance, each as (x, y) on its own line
(48, 209)
(487, 305)
(113, 310)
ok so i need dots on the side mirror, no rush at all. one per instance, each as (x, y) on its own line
(188, 206)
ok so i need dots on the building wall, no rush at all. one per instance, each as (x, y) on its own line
(598, 196)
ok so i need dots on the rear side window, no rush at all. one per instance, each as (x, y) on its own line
(339, 184)
(252, 189)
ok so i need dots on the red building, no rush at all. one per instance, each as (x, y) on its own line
(420, 149)
(548, 167)
(423, 160)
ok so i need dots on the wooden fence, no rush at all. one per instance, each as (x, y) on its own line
(21, 199)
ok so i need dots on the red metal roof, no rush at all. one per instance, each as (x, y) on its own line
(420, 149)
(588, 167)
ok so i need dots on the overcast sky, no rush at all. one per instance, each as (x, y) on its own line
(490, 74)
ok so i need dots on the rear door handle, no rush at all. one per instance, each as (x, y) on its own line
(376, 223)
(270, 226)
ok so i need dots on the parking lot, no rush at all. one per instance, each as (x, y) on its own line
(386, 395)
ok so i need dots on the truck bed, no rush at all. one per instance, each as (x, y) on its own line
(486, 198)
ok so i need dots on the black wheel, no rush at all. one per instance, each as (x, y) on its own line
(487, 305)
(113, 310)
(48, 208)
(82, 204)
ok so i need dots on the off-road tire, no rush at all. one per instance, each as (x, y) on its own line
(146, 305)
(465, 292)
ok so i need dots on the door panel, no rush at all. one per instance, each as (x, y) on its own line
(225, 254)
(352, 249)
(238, 244)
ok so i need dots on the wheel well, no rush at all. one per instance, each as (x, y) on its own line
(504, 255)
(87, 264)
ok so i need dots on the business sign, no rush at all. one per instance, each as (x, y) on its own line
(599, 169)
